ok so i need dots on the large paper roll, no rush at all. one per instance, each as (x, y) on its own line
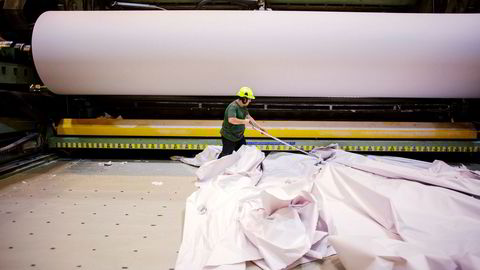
(309, 54)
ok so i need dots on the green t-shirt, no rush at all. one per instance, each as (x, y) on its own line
(233, 132)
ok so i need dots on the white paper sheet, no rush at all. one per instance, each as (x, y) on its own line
(286, 53)
(371, 220)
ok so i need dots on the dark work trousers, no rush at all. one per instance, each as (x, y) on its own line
(229, 146)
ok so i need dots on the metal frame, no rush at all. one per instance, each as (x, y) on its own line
(262, 144)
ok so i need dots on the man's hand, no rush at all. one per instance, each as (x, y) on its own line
(247, 122)
(254, 124)
(257, 126)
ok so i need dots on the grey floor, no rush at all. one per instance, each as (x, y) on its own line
(85, 215)
(92, 214)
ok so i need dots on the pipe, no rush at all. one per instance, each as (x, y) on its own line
(136, 5)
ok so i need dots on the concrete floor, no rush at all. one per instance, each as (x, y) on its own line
(85, 215)
(82, 214)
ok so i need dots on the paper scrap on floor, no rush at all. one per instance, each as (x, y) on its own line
(374, 212)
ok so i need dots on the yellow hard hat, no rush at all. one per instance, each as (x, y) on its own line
(246, 92)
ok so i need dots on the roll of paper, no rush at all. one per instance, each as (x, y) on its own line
(287, 53)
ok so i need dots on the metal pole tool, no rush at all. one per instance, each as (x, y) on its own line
(280, 141)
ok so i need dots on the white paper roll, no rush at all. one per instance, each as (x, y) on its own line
(309, 54)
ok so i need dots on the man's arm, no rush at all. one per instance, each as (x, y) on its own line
(232, 117)
(236, 121)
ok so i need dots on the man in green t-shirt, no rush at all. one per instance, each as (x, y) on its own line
(234, 121)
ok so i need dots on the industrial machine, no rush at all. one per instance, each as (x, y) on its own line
(157, 97)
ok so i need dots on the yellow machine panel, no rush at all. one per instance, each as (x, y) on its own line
(282, 129)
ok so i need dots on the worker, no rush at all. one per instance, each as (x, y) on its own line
(235, 119)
